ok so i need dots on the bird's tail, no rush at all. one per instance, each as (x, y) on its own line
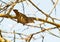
(37, 19)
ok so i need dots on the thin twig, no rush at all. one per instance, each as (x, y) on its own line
(14, 36)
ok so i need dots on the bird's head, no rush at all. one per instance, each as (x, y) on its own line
(15, 10)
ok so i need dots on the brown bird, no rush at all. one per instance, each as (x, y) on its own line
(21, 18)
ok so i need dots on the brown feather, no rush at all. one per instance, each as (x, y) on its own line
(22, 18)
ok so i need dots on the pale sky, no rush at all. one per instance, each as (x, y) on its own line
(9, 25)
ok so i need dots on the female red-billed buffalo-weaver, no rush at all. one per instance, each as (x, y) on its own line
(21, 18)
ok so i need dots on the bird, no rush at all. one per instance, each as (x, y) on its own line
(22, 18)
